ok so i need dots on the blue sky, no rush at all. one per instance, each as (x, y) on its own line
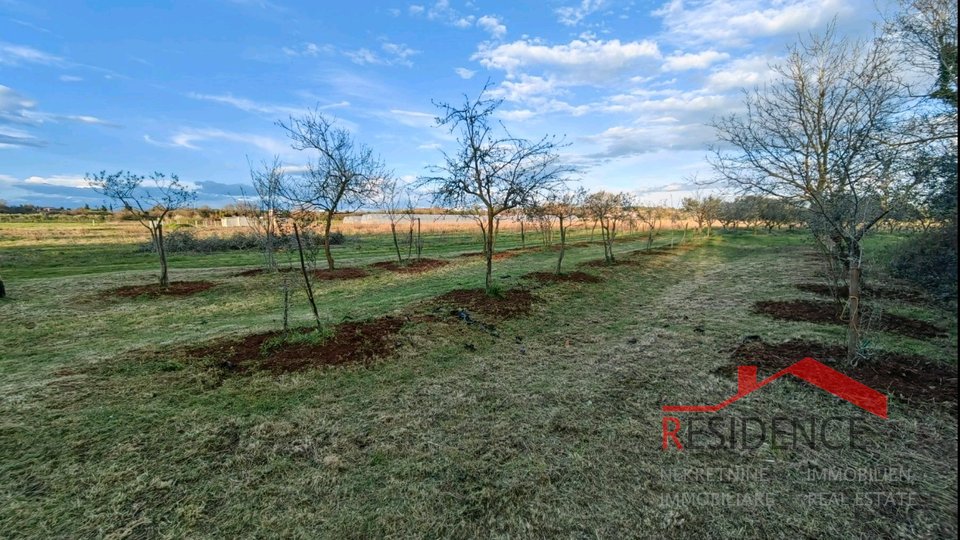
(194, 87)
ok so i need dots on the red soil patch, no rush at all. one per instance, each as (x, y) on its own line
(351, 342)
(176, 288)
(906, 295)
(827, 313)
(908, 377)
(513, 303)
(411, 267)
(570, 277)
(340, 273)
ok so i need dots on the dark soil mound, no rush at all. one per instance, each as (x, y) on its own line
(512, 303)
(912, 378)
(828, 313)
(351, 342)
(570, 277)
(340, 273)
(411, 267)
(906, 295)
(176, 288)
(259, 271)
(497, 255)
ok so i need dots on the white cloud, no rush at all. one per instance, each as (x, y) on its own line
(687, 61)
(413, 118)
(741, 73)
(15, 55)
(573, 15)
(190, 138)
(70, 78)
(465, 73)
(249, 105)
(59, 180)
(393, 54)
(583, 62)
(493, 26)
(735, 22)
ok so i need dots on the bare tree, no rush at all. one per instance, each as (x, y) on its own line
(822, 136)
(491, 169)
(345, 174)
(704, 210)
(606, 209)
(149, 198)
(564, 207)
(390, 199)
(268, 181)
(652, 218)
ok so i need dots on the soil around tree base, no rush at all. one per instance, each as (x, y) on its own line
(829, 313)
(416, 266)
(154, 290)
(350, 343)
(510, 304)
(907, 377)
(569, 277)
(906, 295)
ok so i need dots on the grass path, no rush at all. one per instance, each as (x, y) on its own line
(550, 429)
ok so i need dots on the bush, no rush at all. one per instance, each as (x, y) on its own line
(186, 240)
(929, 260)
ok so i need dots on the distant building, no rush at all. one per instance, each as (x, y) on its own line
(236, 221)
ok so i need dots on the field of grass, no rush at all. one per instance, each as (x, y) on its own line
(548, 425)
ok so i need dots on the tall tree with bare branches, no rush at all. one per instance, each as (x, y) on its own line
(491, 169)
(344, 175)
(823, 135)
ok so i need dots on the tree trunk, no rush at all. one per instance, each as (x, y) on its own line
(306, 276)
(164, 277)
(396, 243)
(488, 252)
(563, 245)
(853, 328)
(326, 240)
(3, 290)
(523, 237)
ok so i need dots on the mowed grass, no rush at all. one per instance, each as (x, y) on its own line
(547, 427)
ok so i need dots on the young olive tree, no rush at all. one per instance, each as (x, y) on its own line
(492, 170)
(823, 135)
(564, 207)
(652, 218)
(606, 209)
(704, 211)
(344, 175)
(149, 198)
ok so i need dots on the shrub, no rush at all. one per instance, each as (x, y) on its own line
(186, 240)
(929, 260)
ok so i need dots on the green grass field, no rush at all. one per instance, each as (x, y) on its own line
(550, 426)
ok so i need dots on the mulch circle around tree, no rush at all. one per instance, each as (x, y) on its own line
(828, 313)
(907, 377)
(154, 290)
(569, 277)
(350, 343)
(340, 273)
(260, 271)
(411, 267)
(906, 295)
(510, 304)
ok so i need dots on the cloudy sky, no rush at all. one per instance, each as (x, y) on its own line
(193, 87)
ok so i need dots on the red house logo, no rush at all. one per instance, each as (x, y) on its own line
(810, 370)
